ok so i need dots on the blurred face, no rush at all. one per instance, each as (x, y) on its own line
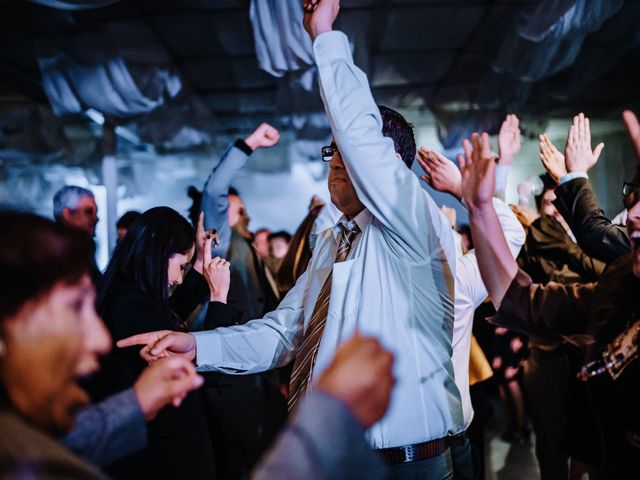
(121, 233)
(52, 343)
(261, 242)
(546, 205)
(84, 217)
(237, 211)
(278, 247)
(343, 195)
(177, 264)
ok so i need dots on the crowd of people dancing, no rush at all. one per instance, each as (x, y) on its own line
(358, 347)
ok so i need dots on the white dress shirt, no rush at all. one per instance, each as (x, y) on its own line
(470, 292)
(396, 283)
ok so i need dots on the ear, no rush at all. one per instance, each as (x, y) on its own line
(66, 214)
(399, 156)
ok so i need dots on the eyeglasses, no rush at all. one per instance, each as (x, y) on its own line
(628, 188)
(630, 194)
(326, 153)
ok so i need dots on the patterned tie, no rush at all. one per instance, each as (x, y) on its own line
(306, 356)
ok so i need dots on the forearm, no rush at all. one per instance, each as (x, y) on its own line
(495, 260)
(215, 196)
(109, 430)
(381, 180)
(595, 233)
(257, 345)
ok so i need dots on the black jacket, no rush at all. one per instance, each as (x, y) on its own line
(595, 233)
(179, 445)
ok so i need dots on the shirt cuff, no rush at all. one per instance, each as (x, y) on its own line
(331, 46)
(242, 145)
(207, 345)
(571, 176)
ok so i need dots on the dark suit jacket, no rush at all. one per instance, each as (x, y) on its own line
(550, 255)
(590, 315)
(178, 441)
(250, 291)
(595, 233)
(27, 452)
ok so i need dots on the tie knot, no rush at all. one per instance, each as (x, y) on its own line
(350, 228)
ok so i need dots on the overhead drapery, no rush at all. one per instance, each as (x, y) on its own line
(75, 4)
(281, 43)
(86, 71)
(548, 38)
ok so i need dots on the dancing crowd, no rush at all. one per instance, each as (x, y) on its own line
(361, 346)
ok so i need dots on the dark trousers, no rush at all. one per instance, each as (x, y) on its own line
(546, 380)
(465, 463)
(244, 414)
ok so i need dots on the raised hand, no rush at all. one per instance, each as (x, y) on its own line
(440, 172)
(525, 215)
(263, 137)
(319, 16)
(162, 344)
(218, 277)
(201, 238)
(509, 140)
(167, 381)
(552, 159)
(577, 153)
(633, 129)
(478, 168)
(360, 375)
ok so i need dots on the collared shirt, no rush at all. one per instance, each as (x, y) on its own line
(470, 292)
(397, 283)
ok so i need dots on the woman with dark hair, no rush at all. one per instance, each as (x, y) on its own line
(147, 265)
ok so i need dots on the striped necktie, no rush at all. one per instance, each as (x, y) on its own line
(306, 356)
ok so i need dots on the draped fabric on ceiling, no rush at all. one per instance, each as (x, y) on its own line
(87, 71)
(75, 4)
(281, 43)
(548, 37)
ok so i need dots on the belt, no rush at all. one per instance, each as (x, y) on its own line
(415, 452)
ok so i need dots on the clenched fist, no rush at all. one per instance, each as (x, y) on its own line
(263, 137)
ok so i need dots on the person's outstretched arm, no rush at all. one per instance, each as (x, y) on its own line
(550, 310)
(415, 229)
(497, 265)
(215, 198)
(576, 201)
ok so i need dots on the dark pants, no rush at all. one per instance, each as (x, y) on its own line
(465, 462)
(244, 414)
(435, 468)
(546, 380)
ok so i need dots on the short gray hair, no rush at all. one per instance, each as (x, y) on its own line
(68, 197)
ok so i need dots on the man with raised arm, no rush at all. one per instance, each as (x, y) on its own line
(590, 315)
(470, 292)
(576, 201)
(385, 268)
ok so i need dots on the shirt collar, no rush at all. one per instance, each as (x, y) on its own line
(361, 220)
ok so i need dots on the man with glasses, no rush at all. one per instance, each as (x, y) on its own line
(385, 269)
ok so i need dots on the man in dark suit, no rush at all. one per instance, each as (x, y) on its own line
(577, 202)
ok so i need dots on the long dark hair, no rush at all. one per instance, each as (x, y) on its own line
(142, 257)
